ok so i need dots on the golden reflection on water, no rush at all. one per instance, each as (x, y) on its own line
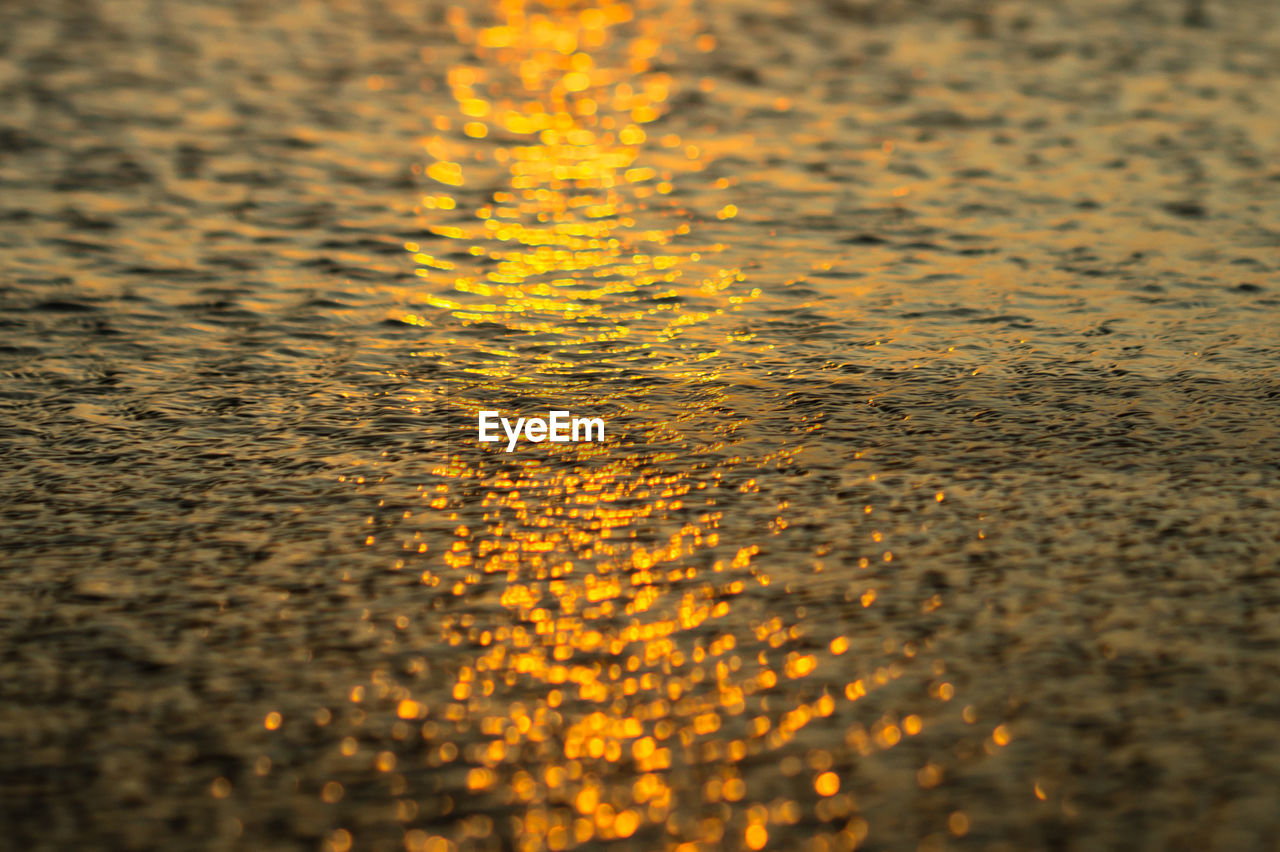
(610, 691)
(551, 209)
(564, 239)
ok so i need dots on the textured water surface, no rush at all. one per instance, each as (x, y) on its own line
(937, 345)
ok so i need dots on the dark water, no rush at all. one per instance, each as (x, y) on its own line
(937, 345)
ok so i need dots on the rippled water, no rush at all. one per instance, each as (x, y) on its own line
(937, 345)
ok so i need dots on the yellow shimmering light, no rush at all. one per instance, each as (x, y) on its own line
(827, 784)
(445, 172)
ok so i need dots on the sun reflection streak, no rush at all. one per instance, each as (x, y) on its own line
(602, 691)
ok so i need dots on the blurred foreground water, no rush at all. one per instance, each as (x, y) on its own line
(937, 344)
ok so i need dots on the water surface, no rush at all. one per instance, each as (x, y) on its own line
(937, 346)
